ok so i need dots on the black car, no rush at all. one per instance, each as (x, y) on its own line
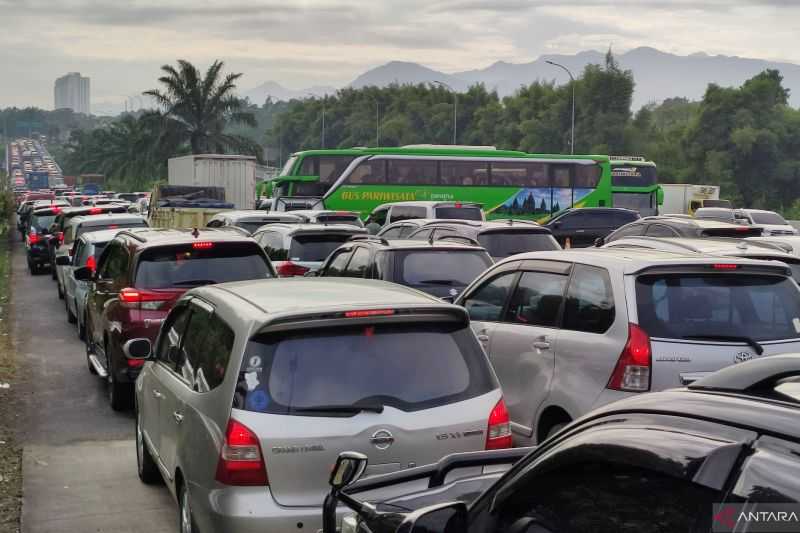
(671, 227)
(37, 234)
(501, 238)
(685, 460)
(442, 268)
(581, 227)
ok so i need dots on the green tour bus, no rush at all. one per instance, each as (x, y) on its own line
(634, 184)
(509, 184)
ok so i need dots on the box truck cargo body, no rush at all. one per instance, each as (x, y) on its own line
(235, 173)
(683, 198)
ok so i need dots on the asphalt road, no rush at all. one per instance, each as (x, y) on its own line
(79, 463)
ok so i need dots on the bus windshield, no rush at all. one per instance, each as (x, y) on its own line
(633, 176)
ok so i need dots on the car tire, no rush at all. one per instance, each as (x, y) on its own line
(53, 271)
(185, 519)
(146, 465)
(71, 318)
(60, 292)
(32, 269)
(556, 428)
(82, 327)
(119, 394)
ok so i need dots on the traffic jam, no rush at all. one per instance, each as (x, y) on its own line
(429, 366)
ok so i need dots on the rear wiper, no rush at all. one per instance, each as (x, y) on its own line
(339, 409)
(438, 282)
(194, 282)
(732, 338)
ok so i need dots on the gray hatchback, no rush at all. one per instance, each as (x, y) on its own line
(254, 388)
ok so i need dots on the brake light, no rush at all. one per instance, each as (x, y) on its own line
(287, 269)
(33, 237)
(135, 363)
(724, 266)
(91, 264)
(498, 435)
(95, 211)
(368, 313)
(458, 204)
(632, 373)
(56, 210)
(202, 245)
(140, 299)
(60, 237)
(742, 228)
(240, 459)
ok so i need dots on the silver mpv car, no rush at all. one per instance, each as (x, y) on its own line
(254, 388)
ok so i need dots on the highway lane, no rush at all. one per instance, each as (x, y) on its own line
(79, 462)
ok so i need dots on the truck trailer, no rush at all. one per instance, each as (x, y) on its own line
(685, 199)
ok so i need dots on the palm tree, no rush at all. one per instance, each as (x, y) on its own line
(197, 109)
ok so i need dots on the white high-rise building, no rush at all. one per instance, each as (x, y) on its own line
(72, 92)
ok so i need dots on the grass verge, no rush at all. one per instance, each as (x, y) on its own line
(10, 453)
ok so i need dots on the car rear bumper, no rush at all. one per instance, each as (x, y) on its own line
(39, 254)
(251, 510)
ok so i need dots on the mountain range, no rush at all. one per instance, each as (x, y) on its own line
(658, 75)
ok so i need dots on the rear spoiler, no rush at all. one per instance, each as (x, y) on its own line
(725, 265)
(437, 472)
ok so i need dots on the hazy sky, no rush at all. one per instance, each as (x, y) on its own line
(120, 44)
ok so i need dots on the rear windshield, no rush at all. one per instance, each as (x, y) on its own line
(315, 247)
(459, 213)
(409, 367)
(684, 306)
(352, 220)
(768, 218)
(122, 225)
(441, 267)
(128, 197)
(252, 225)
(741, 232)
(42, 222)
(185, 266)
(506, 243)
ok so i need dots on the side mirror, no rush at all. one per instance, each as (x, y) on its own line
(598, 242)
(63, 260)
(137, 349)
(444, 518)
(350, 466)
(82, 273)
(557, 224)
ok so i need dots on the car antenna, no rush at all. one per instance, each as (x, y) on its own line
(430, 238)
(195, 233)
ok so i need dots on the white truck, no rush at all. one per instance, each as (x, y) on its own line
(234, 173)
(685, 199)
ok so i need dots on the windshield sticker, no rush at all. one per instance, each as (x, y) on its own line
(251, 380)
(257, 401)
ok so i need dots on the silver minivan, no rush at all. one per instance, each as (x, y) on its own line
(570, 331)
(254, 388)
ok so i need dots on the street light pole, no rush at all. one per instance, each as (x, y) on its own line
(455, 109)
(572, 80)
(377, 123)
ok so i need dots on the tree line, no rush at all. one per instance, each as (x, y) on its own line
(746, 139)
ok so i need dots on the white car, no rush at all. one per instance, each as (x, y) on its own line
(771, 222)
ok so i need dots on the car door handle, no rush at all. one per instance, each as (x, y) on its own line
(157, 394)
(541, 345)
(177, 416)
(483, 337)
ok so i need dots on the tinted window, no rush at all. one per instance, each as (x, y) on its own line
(595, 497)
(660, 230)
(359, 263)
(465, 173)
(644, 203)
(42, 222)
(590, 302)
(412, 171)
(632, 230)
(768, 218)
(315, 247)
(587, 176)
(488, 301)
(338, 263)
(520, 174)
(680, 306)
(122, 225)
(208, 346)
(171, 335)
(459, 213)
(732, 231)
(633, 176)
(115, 265)
(409, 367)
(351, 220)
(406, 212)
(184, 266)
(393, 233)
(328, 168)
(505, 243)
(441, 267)
(537, 299)
(368, 172)
(560, 175)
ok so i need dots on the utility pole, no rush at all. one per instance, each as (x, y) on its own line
(455, 109)
(572, 81)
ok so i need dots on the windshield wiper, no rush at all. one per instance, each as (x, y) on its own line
(194, 282)
(339, 409)
(732, 338)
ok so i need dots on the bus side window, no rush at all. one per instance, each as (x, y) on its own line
(587, 176)
(368, 172)
(413, 172)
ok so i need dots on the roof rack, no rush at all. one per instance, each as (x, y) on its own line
(455, 238)
(363, 237)
(133, 235)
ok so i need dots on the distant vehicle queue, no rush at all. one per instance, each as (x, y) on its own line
(424, 331)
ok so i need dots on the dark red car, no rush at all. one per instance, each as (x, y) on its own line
(138, 278)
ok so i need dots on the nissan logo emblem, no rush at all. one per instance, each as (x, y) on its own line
(382, 439)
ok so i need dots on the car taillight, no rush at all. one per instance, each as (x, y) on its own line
(368, 313)
(60, 237)
(95, 211)
(141, 299)
(33, 237)
(203, 245)
(240, 460)
(288, 269)
(135, 363)
(91, 264)
(498, 435)
(632, 373)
